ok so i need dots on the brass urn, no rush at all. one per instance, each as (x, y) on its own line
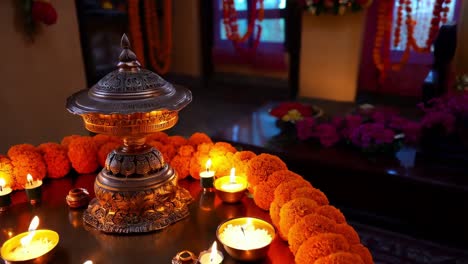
(137, 190)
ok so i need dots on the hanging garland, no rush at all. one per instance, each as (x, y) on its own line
(159, 53)
(256, 15)
(384, 28)
(136, 36)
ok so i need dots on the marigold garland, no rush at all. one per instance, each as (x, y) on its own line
(28, 162)
(262, 166)
(332, 213)
(283, 195)
(292, 212)
(198, 138)
(319, 246)
(363, 252)
(56, 159)
(6, 170)
(348, 232)
(181, 162)
(340, 258)
(83, 155)
(20, 149)
(67, 139)
(309, 226)
(104, 150)
(158, 136)
(312, 193)
(264, 192)
(240, 161)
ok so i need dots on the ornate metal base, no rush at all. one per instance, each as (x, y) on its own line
(136, 202)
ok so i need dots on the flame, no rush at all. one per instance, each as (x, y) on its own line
(34, 224)
(29, 178)
(2, 183)
(213, 253)
(208, 165)
(233, 175)
(25, 241)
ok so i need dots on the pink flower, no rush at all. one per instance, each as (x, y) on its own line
(327, 135)
(412, 131)
(444, 119)
(371, 134)
(305, 127)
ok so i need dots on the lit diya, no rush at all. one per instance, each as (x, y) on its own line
(34, 246)
(33, 189)
(207, 177)
(231, 188)
(246, 238)
(212, 256)
(5, 195)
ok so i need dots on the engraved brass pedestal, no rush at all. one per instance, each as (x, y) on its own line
(137, 190)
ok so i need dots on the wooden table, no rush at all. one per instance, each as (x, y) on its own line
(408, 192)
(196, 233)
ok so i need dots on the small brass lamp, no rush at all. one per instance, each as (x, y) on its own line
(137, 190)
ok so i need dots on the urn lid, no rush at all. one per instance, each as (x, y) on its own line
(129, 89)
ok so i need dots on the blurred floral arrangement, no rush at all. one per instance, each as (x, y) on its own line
(37, 12)
(316, 231)
(294, 111)
(461, 82)
(317, 7)
(374, 129)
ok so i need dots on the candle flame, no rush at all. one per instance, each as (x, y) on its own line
(233, 175)
(2, 183)
(29, 178)
(208, 165)
(88, 262)
(25, 241)
(34, 224)
(213, 253)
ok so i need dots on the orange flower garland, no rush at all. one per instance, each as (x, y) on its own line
(56, 159)
(6, 170)
(340, 258)
(319, 246)
(260, 167)
(309, 226)
(240, 161)
(332, 213)
(198, 138)
(312, 193)
(158, 136)
(264, 192)
(199, 159)
(293, 211)
(26, 160)
(66, 140)
(363, 252)
(283, 195)
(348, 232)
(104, 150)
(181, 162)
(136, 36)
(83, 155)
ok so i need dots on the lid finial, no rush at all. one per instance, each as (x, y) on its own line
(126, 55)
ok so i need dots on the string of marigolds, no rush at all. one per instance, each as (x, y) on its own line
(382, 48)
(256, 15)
(159, 48)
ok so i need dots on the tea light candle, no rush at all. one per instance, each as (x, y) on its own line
(5, 195)
(213, 256)
(33, 189)
(245, 237)
(30, 245)
(207, 177)
(231, 188)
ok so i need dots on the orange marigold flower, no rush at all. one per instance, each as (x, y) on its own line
(66, 140)
(282, 195)
(158, 136)
(332, 213)
(264, 192)
(319, 246)
(240, 160)
(199, 159)
(177, 141)
(264, 195)
(309, 226)
(155, 144)
(186, 151)
(260, 167)
(340, 258)
(245, 155)
(56, 159)
(348, 232)
(100, 139)
(168, 151)
(293, 211)
(199, 138)
(363, 252)
(83, 155)
(20, 149)
(311, 193)
(104, 150)
(181, 165)
(28, 162)
(6, 171)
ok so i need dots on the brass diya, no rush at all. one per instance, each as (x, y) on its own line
(137, 190)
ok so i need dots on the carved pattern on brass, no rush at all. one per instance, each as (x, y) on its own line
(136, 212)
(130, 82)
(134, 165)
